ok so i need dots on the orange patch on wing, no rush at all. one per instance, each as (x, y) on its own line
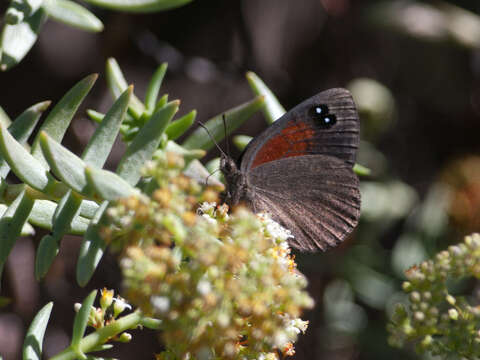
(292, 141)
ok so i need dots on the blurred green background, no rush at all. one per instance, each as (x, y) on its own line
(414, 70)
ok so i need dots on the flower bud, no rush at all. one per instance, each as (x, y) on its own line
(450, 299)
(453, 314)
(125, 337)
(119, 305)
(106, 298)
(419, 316)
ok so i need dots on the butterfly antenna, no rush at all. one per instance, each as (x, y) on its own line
(225, 130)
(211, 137)
(208, 177)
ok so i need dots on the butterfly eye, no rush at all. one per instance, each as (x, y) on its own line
(322, 117)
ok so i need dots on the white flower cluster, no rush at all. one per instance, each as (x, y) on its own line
(288, 335)
(207, 208)
(279, 236)
(208, 211)
(274, 229)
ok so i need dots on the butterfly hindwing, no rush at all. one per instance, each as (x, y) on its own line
(315, 196)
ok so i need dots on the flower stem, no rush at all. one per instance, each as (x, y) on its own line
(100, 336)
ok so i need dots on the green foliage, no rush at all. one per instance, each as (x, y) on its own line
(32, 346)
(435, 319)
(272, 110)
(106, 321)
(233, 119)
(68, 194)
(23, 21)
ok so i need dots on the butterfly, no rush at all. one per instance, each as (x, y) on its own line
(300, 171)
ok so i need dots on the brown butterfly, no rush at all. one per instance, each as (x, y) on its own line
(300, 171)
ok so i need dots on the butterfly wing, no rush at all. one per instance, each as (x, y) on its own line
(302, 131)
(300, 170)
(315, 196)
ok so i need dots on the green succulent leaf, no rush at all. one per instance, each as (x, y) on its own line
(47, 250)
(107, 184)
(17, 40)
(241, 141)
(71, 13)
(22, 128)
(101, 348)
(154, 87)
(272, 109)
(59, 118)
(185, 153)
(43, 212)
(23, 125)
(4, 118)
(92, 247)
(161, 102)
(178, 127)
(25, 166)
(95, 115)
(27, 230)
(101, 143)
(145, 143)
(235, 117)
(117, 84)
(88, 208)
(32, 346)
(11, 224)
(65, 165)
(152, 323)
(129, 132)
(140, 150)
(142, 6)
(81, 320)
(361, 170)
(68, 208)
(69, 167)
(199, 173)
(20, 10)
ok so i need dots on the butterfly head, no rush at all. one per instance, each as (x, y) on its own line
(234, 179)
(229, 168)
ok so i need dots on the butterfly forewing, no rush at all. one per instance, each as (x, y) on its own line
(325, 124)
